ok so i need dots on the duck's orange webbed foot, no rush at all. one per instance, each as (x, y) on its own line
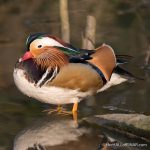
(59, 110)
(55, 110)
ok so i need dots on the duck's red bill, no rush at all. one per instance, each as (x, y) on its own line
(26, 56)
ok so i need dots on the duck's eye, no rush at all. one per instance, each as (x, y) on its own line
(39, 46)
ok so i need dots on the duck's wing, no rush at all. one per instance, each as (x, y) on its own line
(102, 60)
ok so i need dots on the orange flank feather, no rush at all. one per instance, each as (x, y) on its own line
(105, 59)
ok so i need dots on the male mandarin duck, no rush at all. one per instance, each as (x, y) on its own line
(55, 72)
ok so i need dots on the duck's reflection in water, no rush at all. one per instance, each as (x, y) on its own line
(55, 133)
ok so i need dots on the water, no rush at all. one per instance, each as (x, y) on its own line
(127, 33)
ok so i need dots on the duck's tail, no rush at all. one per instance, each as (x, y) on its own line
(122, 59)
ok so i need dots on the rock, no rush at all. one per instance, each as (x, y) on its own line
(137, 120)
(133, 125)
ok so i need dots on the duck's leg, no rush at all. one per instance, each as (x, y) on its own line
(75, 113)
(61, 111)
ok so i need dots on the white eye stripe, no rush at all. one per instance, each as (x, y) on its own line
(45, 41)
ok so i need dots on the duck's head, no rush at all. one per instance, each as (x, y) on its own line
(36, 44)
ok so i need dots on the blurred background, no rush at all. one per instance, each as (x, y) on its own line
(124, 24)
